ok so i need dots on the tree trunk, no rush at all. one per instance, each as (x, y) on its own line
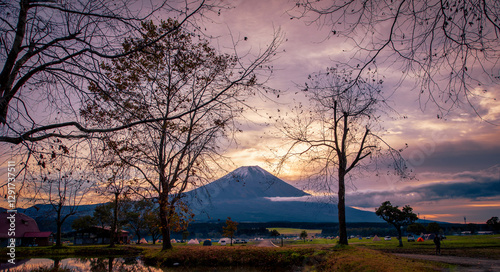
(115, 222)
(341, 207)
(58, 235)
(400, 238)
(57, 264)
(10, 62)
(110, 264)
(138, 233)
(59, 227)
(164, 224)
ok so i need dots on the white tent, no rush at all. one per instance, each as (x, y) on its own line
(225, 241)
(193, 242)
(173, 241)
(376, 238)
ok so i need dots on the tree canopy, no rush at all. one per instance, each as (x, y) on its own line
(396, 217)
(450, 48)
(52, 49)
(183, 97)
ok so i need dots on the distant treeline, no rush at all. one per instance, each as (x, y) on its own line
(214, 229)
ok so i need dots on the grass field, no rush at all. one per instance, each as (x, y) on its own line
(475, 246)
(316, 255)
(290, 231)
(310, 258)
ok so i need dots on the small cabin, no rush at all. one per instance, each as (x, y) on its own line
(99, 236)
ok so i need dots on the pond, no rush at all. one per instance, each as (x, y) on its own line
(133, 264)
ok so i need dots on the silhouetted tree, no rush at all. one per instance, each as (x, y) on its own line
(451, 48)
(338, 132)
(58, 178)
(396, 217)
(103, 215)
(185, 235)
(416, 228)
(493, 223)
(51, 49)
(136, 216)
(189, 93)
(433, 227)
(303, 235)
(230, 229)
(83, 222)
(275, 233)
(152, 218)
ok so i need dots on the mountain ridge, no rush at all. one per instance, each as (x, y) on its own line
(247, 182)
(246, 195)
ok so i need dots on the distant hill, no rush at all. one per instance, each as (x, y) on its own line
(244, 196)
(45, 216)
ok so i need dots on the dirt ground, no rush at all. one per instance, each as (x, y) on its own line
(266, 243)
(465, 264)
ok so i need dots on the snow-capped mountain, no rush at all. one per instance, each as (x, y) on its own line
(244, 195)
(247, 182)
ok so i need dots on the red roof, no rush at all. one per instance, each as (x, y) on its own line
(43, 234)
(23, 224)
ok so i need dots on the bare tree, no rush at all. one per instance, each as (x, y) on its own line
(450, 47)
(50, 50)
(58, 178)
(190, 91)
(114, 180)
(338, 132)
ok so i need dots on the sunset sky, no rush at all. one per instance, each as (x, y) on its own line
(456, 159)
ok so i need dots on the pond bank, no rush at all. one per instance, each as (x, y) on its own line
(298, 258)
(288, 258)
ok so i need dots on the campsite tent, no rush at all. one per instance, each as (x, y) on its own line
(376, 238)
(225, 241)
(420, 239)
(143, 241)
(173, 241)
(193, 242)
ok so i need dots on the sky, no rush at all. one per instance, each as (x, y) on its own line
(456, 159)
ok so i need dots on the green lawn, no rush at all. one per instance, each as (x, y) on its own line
(290, 231)
(478, 246)
(320, 254)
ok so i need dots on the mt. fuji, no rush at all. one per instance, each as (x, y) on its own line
(244, 195)
(248, 182)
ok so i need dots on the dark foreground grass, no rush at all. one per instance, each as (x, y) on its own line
(362, 255)
(476, 246)
(46, 269)
(312, 258)
(75, 251)
(227, 256)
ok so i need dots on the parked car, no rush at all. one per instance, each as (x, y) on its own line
(411, 238)
(387, 238)
(240, 241)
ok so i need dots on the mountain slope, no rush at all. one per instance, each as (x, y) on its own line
(244, 196)
(245, 183)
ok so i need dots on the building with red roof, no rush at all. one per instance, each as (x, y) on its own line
(24, 229)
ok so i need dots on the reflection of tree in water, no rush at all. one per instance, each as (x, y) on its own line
(110, 264)
(57, 263)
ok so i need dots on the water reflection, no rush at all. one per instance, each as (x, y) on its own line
(111, 264)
